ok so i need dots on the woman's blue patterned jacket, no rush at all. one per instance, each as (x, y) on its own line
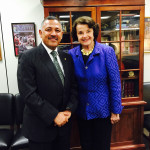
(98, 81)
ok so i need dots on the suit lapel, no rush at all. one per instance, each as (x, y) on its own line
(49, 64)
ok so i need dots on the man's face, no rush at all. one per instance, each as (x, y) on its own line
(51, 33)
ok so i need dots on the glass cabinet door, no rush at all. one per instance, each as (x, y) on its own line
(120, 30)
(110, 25)
(67, 16)
(130, 22)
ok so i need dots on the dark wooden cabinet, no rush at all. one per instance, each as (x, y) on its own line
(122, 27)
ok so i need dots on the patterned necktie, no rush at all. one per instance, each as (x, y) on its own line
(54, 54)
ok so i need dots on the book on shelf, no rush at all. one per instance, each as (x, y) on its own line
(127, 88)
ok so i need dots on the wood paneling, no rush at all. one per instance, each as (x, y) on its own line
(57, 3)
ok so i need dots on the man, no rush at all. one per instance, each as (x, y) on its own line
(50, 98)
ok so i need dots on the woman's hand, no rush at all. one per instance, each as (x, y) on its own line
(114, 118)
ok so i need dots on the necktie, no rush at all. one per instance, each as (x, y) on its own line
(54, 54)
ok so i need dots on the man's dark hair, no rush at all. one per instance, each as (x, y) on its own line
(49, 18)
(85, 20)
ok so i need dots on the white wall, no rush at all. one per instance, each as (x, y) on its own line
(19, 11)
(3, 79)
(147, 55)
(16, 11)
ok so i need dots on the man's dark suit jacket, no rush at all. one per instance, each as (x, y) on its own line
(44, 95)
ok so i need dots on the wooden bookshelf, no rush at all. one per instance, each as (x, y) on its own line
(124, 30)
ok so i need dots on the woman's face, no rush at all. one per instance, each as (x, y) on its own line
(85, 35)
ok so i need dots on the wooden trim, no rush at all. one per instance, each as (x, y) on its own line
(99, 22)
(120, 8)
(70, 9)
(71, 39)
(141, 46)
(134, 103)
(60, 3)
(129, 147)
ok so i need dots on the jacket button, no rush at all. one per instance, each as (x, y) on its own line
(87, 104)
(86, 67)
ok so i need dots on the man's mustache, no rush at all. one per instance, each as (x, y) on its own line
(52, 37)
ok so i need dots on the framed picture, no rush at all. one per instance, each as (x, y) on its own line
(23, 36)
(147, 35)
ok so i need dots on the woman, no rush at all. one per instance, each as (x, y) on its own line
(98, 77)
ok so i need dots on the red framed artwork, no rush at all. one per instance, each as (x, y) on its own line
(23, 36)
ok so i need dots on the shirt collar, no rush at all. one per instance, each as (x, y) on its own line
(48, 49)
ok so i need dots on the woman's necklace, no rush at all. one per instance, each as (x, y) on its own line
(87, 53)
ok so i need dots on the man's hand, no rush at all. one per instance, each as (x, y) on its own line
(61, 119)
(114, 118)
(67, 113)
